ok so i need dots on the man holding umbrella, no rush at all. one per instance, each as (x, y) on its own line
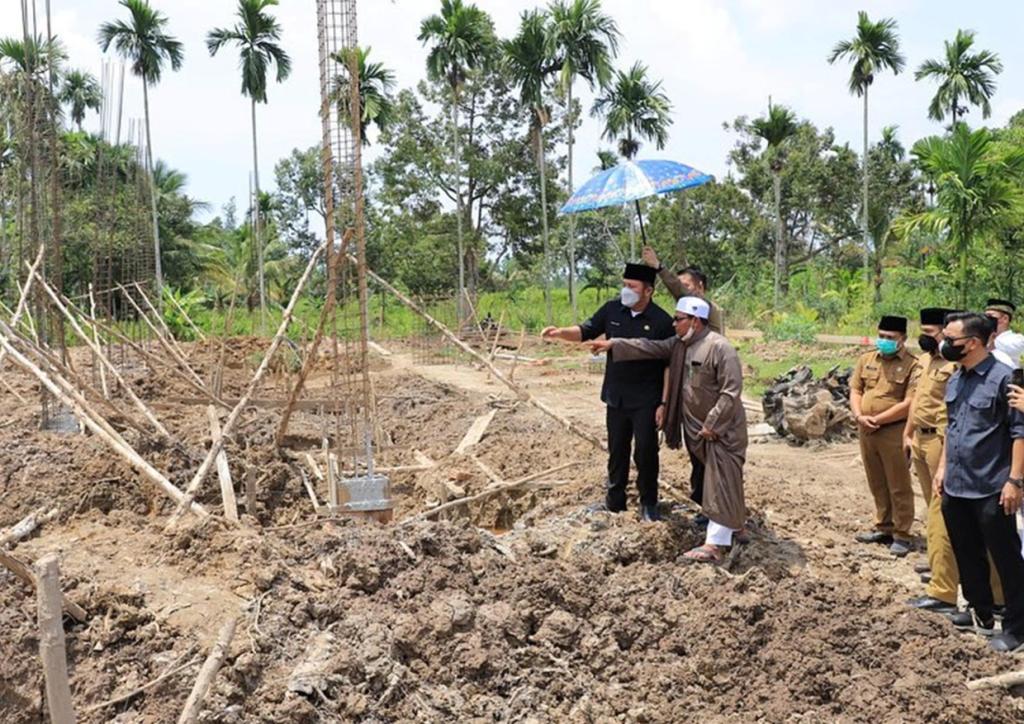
(631, 392)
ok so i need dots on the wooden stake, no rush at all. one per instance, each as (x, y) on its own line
(51, 641)
(250, 491)
(476, 432)
(227, 488)
(22, 572)
(1004, 681)
(96, 340)
(498, 374)
(515, 359)
(194, 703)
(229, 424)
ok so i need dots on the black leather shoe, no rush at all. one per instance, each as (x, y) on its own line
(926, 578)
(875, 536)
(970, 621)
(935, 605)
(1006, 643)
(701, 520)
(649, 513)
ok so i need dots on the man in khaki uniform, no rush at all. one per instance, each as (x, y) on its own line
(922, 440)
(880, 401)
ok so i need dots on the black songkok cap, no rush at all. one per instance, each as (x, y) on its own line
(893, 324)
(934, 315)
(640, 272)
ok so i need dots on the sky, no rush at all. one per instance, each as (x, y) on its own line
(717, 59)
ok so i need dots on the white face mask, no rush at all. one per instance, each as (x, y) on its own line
(629, 297)
(689, 333)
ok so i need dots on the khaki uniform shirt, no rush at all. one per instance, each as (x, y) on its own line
(884, 382)
(716, 323)
(929, 407)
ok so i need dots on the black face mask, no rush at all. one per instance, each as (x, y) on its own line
(928, 344)
(950, 352)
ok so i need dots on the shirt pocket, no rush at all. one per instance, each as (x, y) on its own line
(869, 378)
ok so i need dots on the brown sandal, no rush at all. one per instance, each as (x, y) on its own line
(706, 553)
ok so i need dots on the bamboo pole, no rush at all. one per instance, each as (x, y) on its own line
(229, 424)
(159, 318)
(101, 428)
(188, 319)
(171, 350)
(194, 703)
(19, 309)
(96, 340)
(227, 488)
(515, 358)
(1005, 681)
(498, 374)
(51, 641)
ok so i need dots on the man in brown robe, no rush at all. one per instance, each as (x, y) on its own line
(703, 407)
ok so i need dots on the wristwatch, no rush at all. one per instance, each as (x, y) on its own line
(1016, 482)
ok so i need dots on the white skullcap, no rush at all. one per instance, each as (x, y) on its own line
(694, 306)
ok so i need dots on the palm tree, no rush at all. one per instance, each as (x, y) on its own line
(376, 84)
(775, 129)
(875, 47)
(462, 40)
(605, 160)
(80, 91)
(962, 75)
(256, 35)
(634, 107)
(145, 43)
(529, 64)
(585, 41)
(977, 189)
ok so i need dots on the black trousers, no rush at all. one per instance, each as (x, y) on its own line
(626, 426)
(977, 525)
(696, 478)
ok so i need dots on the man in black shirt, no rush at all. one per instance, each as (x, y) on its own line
(631, 390)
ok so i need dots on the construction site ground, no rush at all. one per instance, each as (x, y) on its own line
(521, 607)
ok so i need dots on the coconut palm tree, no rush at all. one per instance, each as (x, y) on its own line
(961, 75)
(875, 47)
(256, 34)
(775, 129)
(145, 44)
(461, 40)
(528, 61)
(376, 85)
(584, 41)
(81, 91)
(978, 188)
(633, 107)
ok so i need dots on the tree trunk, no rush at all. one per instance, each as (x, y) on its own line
(780, 248)
(879, 256)
(544, 225)
(460, 297)
(864, 200)
(257, 226)
(157, 266)
(572, 217)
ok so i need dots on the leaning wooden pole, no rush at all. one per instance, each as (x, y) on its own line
(229, 424)
(194, 703)
(51, 641)
(23, 298)
(498, 374)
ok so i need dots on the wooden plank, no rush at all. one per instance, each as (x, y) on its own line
(227, 487)
(52, 649)
(475, 433)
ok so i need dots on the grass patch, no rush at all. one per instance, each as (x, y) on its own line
(763, 362)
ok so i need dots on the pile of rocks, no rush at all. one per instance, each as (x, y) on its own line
(801, 407)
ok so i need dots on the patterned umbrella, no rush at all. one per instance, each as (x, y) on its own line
(632, 181)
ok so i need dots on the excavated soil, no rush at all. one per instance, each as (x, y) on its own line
(523, 607)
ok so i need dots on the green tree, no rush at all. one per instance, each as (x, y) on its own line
(300, 191)
(962, 76)
(775, 130)
(376, 88)
(80, 91)
(530, 67)
(461, 40)
(875, 47)
(978, 191)
(893, 191)
(256, 35)
(145, 43)
(584, 41)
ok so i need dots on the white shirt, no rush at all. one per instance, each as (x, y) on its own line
(1011, 344)
(1004, 358)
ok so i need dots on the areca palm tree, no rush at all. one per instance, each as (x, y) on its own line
(977, 189)
(584, 41)
(81, 91)
(376, 85)
(875, 47)
(256, 34)
(961, 75)
(461, 40)
(775, 129)
(144, 42)
(529, 64)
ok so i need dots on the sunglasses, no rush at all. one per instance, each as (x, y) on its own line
(682, 317)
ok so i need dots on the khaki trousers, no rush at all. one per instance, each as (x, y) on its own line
(926, 452)
(888, 474)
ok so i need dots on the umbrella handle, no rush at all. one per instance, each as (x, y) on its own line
(640, 216)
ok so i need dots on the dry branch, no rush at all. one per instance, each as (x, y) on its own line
(1005, 681)
(26, 525)
(499, 375)
(171, 671)
(229, 424)
(51, 641)
(194, 703)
